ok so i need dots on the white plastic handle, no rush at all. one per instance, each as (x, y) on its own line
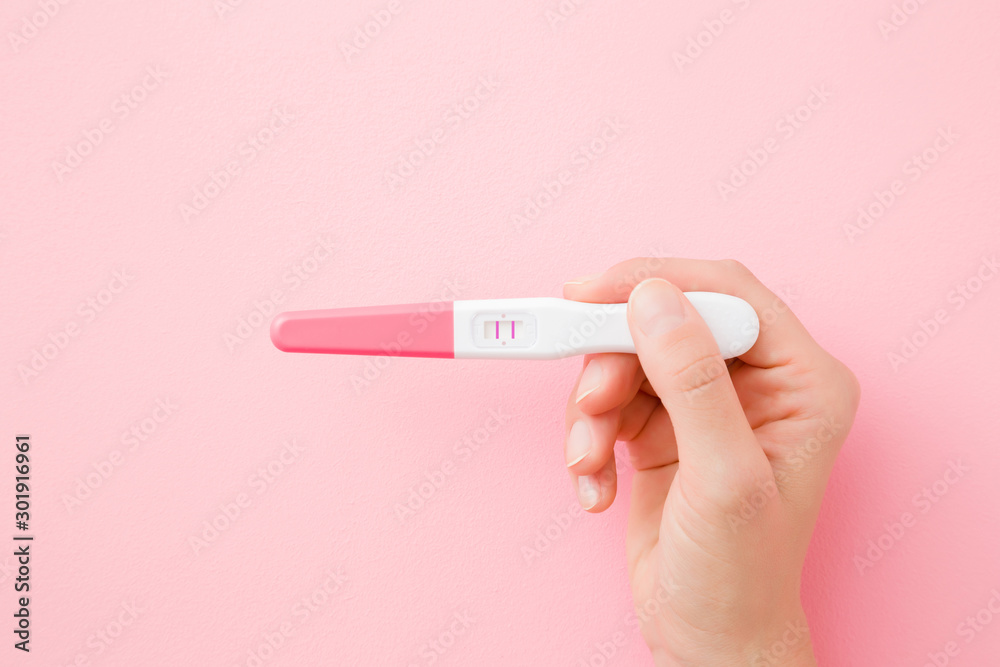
(551, 328)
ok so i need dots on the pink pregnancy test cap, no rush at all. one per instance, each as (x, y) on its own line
(405, 330)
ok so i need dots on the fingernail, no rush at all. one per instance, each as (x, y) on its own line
(577, 443)
(585, 279)
(588, 491)
(590, 380)
(656, 307)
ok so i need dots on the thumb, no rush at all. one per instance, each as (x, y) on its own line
(682, 362)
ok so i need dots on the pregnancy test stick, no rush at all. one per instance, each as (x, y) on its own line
(532, 328)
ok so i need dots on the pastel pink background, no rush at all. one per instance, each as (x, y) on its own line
(449, 231)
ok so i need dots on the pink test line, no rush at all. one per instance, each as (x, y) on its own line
(512, 329)
(498, 329)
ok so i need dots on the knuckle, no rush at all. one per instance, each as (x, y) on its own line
(736, 268)
(696, 376)
(843, 380)
(629, 273)
(644, 268)
(851, 383)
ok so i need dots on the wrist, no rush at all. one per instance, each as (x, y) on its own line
(788, 645)
(783, 646)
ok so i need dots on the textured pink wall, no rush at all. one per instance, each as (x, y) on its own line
(254, 160)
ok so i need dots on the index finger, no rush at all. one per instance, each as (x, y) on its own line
(782, 337)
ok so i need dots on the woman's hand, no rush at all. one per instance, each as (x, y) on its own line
(730, 460)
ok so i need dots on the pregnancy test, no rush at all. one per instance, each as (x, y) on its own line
(531, 328)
